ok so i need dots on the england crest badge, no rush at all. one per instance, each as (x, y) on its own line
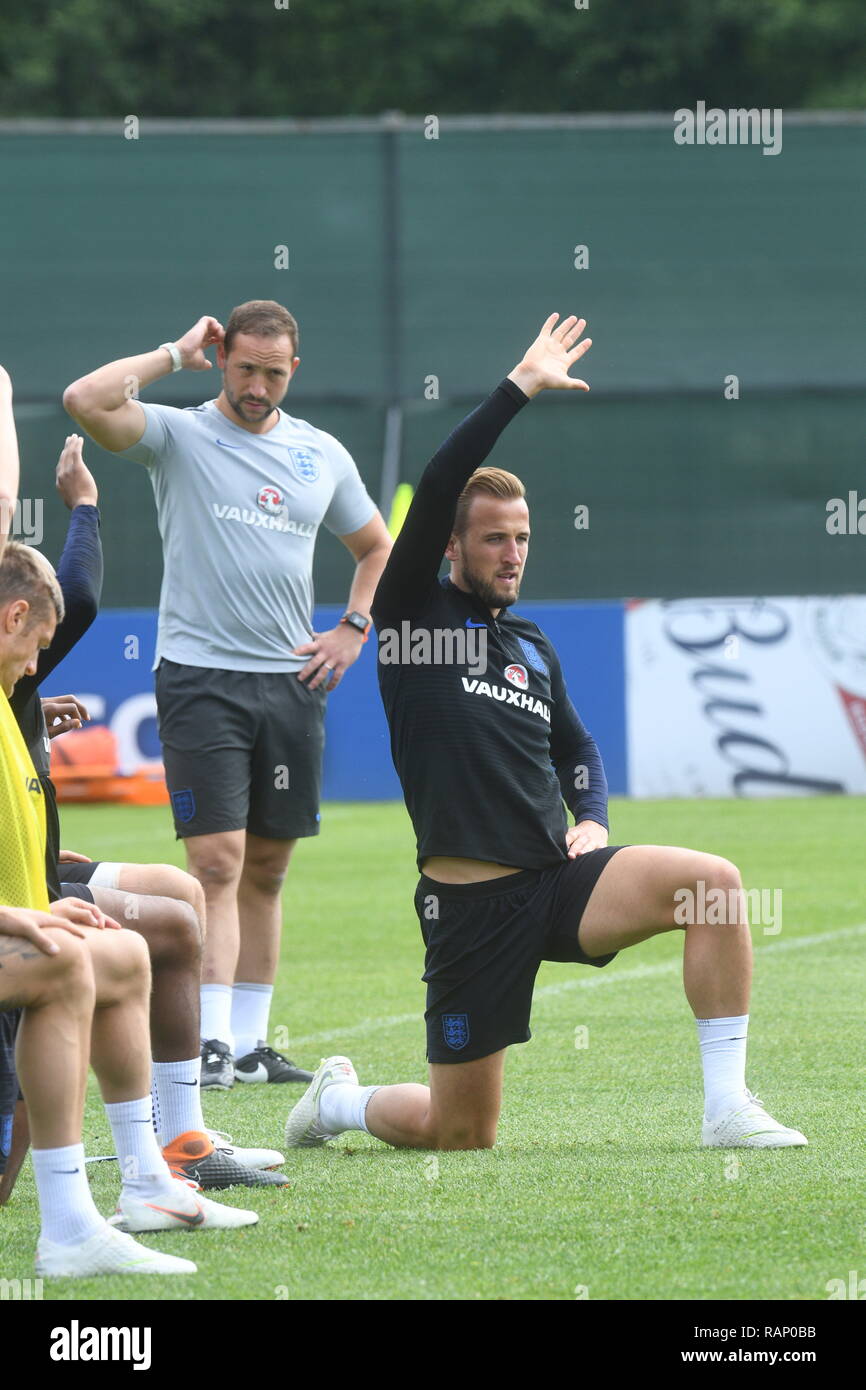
(455, 1030)
(183, 803)
(533, 655)
(306, 464)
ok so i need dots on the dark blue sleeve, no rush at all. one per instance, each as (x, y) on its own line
(410, 573)
(79, 574)
(575, 756)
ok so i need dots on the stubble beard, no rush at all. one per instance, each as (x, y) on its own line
(486, 590)
(255, 417)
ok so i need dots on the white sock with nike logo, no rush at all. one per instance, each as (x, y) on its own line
(66, 1207)
(176, 1091)
(143, 1170)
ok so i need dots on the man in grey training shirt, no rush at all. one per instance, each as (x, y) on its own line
(241, 489)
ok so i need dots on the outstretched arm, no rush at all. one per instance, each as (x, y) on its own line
(79, 571)
(417, 554)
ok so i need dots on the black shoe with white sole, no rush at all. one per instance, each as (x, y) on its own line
(217, 1065)
(264, 1064)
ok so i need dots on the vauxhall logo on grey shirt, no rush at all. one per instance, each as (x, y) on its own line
(273, 514)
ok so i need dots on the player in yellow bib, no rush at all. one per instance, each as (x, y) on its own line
(81, 982)
(22, 814)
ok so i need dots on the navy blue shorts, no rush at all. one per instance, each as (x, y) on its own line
(485, 943)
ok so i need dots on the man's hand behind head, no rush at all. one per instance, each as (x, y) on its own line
(75, 482)
(193, 343)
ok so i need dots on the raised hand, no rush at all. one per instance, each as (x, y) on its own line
(192, 345)
(75, 482)
(546, 362)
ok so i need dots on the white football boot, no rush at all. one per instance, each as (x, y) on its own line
(106, 1252)
(749, 1127)
(248, 1158)
(303, 1129)
(185, 1209)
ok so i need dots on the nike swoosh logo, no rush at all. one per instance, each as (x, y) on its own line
(469, 623)
(66, 1170)
(260, 1074)
(229, 446)
(182, 1216)
(186, 1083)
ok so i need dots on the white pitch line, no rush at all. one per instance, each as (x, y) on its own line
(355, 1030)
(640, 972)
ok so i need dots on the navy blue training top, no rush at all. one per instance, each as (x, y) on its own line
(485, 759)
(79, 574)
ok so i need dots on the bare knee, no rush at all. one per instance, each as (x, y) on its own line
(186, 889)
(133, 955)
(266, 864)
(177, 883)
(173, 932)
(716, 872)
(121, 966)
(188, 929)
(263, 879)
(716, 894)
(216, 869)
(66, 976)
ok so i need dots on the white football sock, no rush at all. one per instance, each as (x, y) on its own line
(723, 1055)
(66, 1205)
(251, 1009)
(176, 1092)
(142, 1167)
(343, 1106)
(216, 1014)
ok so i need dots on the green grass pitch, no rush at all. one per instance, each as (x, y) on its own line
(598, 1186)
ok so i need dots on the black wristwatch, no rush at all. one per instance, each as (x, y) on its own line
(358, 622)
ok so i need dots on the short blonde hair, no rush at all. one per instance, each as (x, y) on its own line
(488, 482)
(26, 574)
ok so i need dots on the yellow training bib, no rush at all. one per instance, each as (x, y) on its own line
(22, 820)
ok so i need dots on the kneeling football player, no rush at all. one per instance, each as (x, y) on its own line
(486, 761)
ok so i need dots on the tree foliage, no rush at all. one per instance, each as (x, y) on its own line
(92, 58)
